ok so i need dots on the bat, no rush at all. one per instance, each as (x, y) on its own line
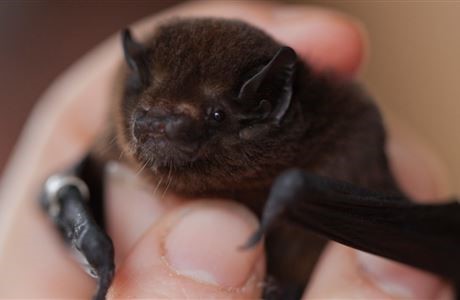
(221, 109)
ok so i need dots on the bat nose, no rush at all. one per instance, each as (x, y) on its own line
(179, 128)
(175, 128)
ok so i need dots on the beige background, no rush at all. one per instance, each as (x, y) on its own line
(414, 67)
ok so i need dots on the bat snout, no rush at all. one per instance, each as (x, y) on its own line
(175, 129)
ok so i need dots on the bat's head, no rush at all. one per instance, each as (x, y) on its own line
(206, 100)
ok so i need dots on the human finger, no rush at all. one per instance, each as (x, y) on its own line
(192, 252)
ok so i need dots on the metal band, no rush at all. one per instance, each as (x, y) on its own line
(55, 183)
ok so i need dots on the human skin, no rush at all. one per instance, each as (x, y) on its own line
(168, 247)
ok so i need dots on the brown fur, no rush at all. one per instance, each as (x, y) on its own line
(331, 128)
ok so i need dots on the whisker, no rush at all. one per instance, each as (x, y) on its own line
(158, 185)
(108, 146)
(122, 154)
(169, 181)
(142, 168)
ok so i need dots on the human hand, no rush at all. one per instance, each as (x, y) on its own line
(167, 247)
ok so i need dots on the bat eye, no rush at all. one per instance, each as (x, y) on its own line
(218, 116)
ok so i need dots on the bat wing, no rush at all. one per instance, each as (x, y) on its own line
(423, 236)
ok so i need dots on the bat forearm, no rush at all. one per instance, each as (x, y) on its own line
(424, 236)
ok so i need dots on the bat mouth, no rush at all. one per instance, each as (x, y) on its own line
(159, 153)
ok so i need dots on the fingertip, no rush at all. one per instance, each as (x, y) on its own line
(192, 252)
(336, 276)
(343, 272)
(329, 40)
(397, 279)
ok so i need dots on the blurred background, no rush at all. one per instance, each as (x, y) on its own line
(413, 70)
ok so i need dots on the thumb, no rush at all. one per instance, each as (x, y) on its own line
(192, 252)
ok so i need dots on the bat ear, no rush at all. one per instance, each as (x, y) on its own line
(277, 78)
(135, 56)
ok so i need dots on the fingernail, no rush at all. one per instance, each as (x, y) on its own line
(296, 22)
(203, 245)
(398, 280)
(293, 15)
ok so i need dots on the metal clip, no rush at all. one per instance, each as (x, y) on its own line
(55, 183)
